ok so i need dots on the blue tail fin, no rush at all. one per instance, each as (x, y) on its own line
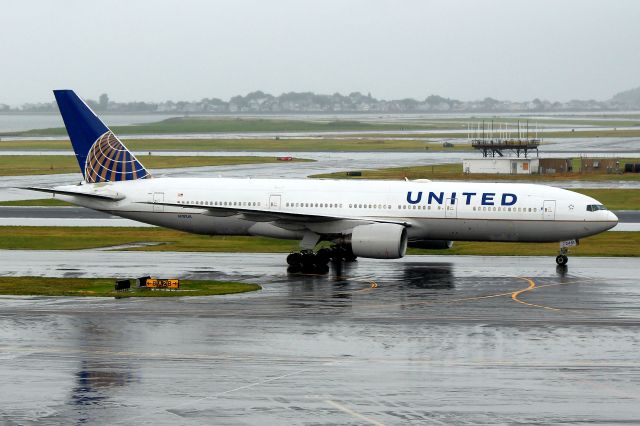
(101, 155)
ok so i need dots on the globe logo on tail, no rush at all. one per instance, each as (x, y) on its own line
(109, 160)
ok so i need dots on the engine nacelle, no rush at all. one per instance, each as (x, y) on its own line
(379, 241)
(431, 244)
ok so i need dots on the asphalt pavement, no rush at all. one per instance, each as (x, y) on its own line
(420, 340)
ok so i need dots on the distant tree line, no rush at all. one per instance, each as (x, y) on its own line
(309, 102)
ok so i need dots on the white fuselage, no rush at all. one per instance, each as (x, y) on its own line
(432, 210)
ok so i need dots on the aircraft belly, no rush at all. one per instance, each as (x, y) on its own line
(502, 230)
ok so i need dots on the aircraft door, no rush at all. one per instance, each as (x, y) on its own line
(274, 202)
(549, 210)
(450, 208)
(158, 197)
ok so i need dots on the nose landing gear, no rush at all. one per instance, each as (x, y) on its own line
(562, 258)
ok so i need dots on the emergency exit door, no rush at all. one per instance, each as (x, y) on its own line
(450, 208)
(274, 202)
(158, 197)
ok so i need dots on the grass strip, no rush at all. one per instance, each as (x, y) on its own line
(216, 124)
(208, 124)
(24, 165)
(39, 202)
(584, 133)
(454, 171)
(104, 287)
(607, 244)
(69, 238)
(614, 199)
(259, 145)
(75, 238)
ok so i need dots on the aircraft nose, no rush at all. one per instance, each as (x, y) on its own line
(610, 221)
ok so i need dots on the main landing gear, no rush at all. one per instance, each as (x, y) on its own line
(309, 261)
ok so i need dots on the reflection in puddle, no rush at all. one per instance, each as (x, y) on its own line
(429, 275)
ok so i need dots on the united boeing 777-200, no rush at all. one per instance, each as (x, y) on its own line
(372, 219)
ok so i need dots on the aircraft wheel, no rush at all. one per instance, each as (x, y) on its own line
(308, 261)
(323, 256)
(294, 259)
(322, 269)
(294, 269)
(562, 260)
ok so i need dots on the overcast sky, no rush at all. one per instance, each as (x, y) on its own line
(155, 50)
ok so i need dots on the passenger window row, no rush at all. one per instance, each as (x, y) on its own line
(322, 205)
(370, 206)
(223, 203)
(367, 206)
(506, 209)
(415, 207)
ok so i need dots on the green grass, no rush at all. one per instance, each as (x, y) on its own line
(239, 145)
(66, 238)
(454, 171)
(212, 124)
(23, 165)
(290, 145)
(618, 133)
(40, 202)
(220, 125)
(603, 121)
(74, 238)
(578, 133)
(103, 287)
(614, 199)
(608, 244)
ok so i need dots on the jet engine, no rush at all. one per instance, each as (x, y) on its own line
(379, 241)
(431, 244)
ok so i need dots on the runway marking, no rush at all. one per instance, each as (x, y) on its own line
(353, 413)
(216, 395)
(514, 296)
(371, 283)
(532, 286)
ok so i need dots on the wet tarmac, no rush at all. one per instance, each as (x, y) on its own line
(421, 340)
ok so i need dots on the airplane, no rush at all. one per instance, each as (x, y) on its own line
(359, 218)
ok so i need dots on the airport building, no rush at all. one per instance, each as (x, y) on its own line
(527, 166)
(502, 165)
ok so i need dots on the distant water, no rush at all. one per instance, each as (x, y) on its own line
(19, 122)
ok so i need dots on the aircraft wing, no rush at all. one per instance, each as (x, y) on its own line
(323, 224)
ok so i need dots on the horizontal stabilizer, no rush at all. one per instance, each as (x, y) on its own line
(106, 196)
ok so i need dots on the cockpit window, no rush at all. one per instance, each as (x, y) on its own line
(595, 207)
